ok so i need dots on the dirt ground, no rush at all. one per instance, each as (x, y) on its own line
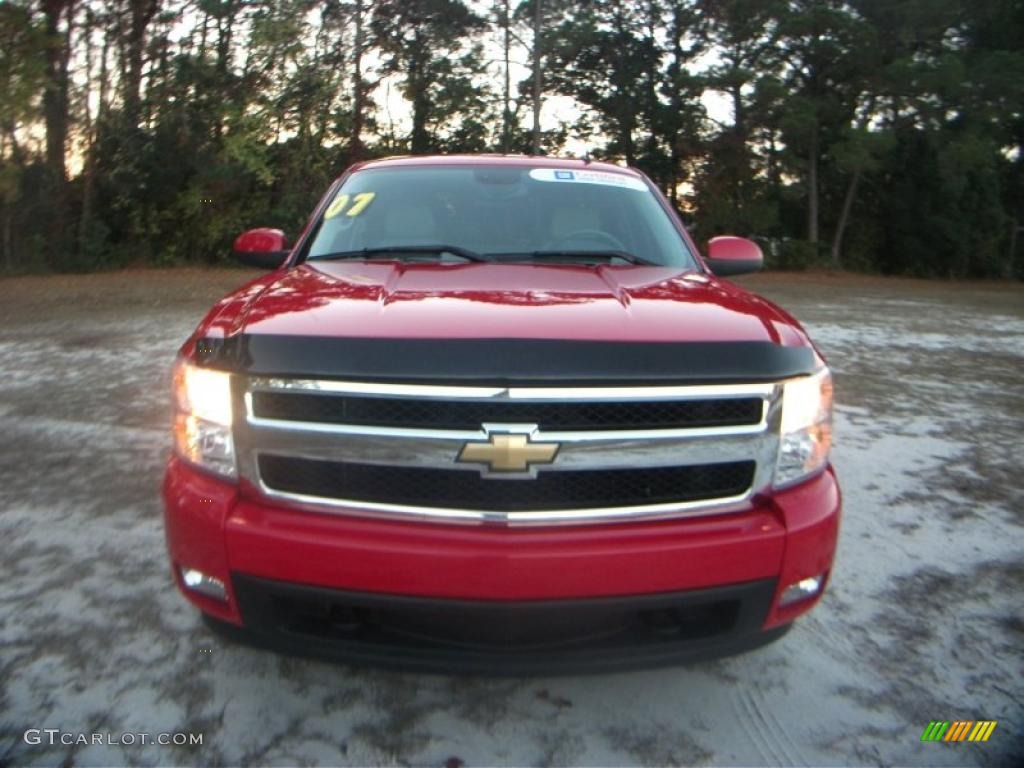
(923, 620)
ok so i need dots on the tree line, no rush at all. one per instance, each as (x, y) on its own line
(881, 135)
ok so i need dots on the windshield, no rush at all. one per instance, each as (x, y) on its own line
(499, 213)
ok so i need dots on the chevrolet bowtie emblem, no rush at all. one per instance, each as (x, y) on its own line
(508, 452)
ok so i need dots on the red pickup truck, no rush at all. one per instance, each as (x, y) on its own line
(498, 413)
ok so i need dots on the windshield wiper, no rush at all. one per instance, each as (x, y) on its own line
(399, 250)
(575, 256)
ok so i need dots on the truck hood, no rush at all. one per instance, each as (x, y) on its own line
(493, 301)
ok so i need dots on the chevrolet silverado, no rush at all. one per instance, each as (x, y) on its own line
(499, 413)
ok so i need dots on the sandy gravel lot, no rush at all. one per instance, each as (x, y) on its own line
(924, 620)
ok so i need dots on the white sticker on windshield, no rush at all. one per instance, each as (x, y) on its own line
(588, 177)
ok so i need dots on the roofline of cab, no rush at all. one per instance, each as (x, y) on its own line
(493, 159)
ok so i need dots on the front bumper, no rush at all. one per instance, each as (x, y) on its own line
(607, 580)
(521, 637)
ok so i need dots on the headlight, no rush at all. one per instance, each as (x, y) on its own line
(202, 418)
(806, 427)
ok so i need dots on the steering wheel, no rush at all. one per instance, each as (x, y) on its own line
(593, 235)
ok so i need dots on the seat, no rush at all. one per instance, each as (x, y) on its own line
(409, 224)
(566, 221)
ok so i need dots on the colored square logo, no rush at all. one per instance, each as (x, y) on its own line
(567, 175)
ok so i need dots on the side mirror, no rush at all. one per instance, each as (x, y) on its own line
(728, 255)
(264, 248)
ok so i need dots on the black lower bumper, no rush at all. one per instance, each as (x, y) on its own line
(513, 638)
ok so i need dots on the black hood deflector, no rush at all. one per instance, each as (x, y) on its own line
(505, 362)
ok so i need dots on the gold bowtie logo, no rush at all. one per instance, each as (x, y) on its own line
(505, 452)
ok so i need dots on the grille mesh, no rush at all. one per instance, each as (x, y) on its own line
(455, 414)
(416, 486)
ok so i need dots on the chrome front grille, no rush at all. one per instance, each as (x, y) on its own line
(614, 453)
